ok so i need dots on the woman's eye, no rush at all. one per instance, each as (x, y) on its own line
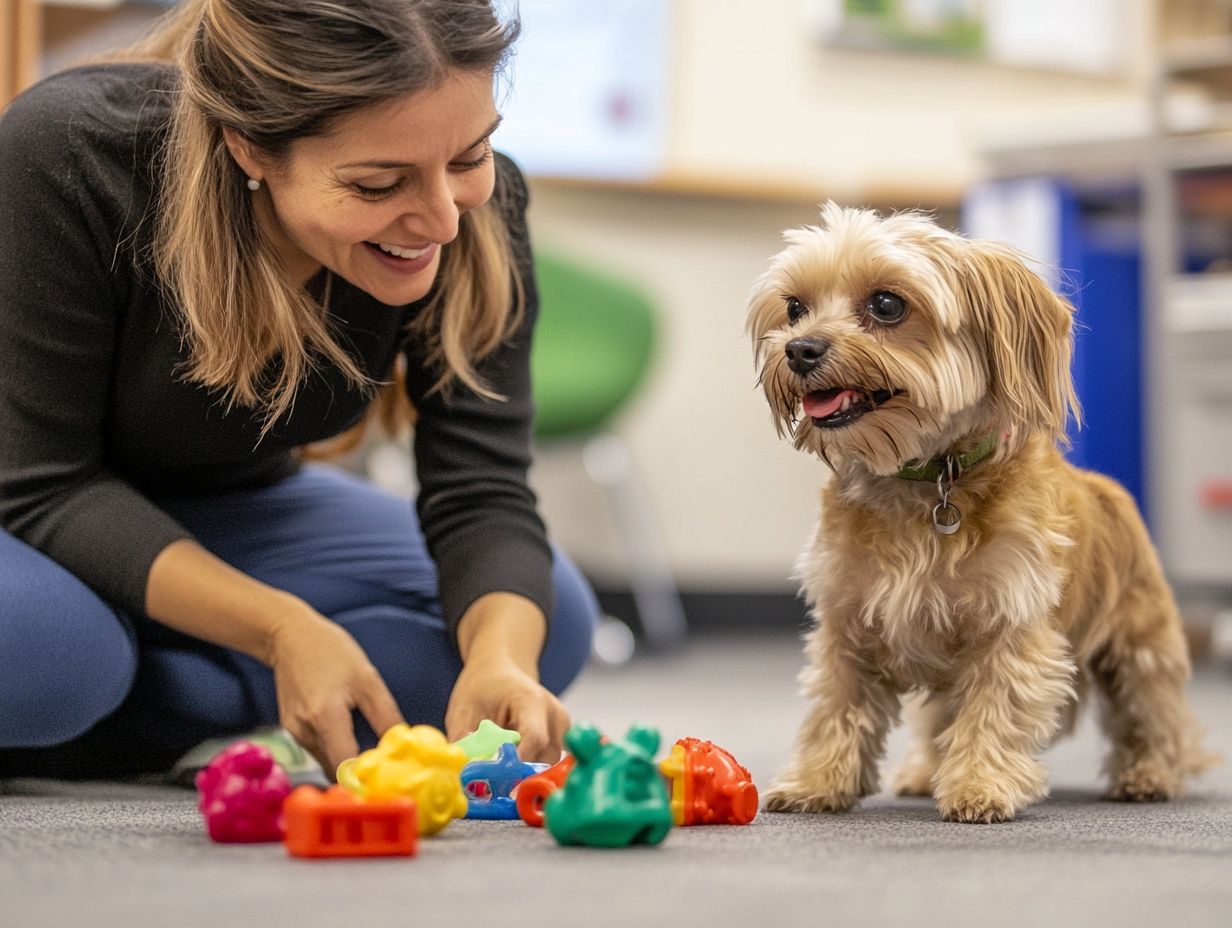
(886, 307)
(795, 309)
(376, 193)
(470, 164)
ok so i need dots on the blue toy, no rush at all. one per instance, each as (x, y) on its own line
(488, 783)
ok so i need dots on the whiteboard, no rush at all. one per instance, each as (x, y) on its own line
(588, 89)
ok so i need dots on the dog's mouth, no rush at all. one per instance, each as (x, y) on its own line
(839, 406)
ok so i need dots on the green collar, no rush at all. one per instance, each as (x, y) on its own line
(935, 468)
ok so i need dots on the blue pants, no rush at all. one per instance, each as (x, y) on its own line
(86, 690)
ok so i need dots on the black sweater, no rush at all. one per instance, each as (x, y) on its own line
(95, 417)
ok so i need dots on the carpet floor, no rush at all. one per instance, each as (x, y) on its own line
(116, 854)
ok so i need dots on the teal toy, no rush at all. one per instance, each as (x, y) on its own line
(484, 743)
(614, 795)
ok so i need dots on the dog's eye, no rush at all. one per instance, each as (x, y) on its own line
(886, 307)
(795, 309)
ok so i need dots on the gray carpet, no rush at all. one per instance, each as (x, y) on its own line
(123, 855)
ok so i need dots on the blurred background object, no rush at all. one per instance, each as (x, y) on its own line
(594, 343)
(669, 145)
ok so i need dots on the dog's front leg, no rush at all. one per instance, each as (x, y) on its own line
(1007, 705)
(834, 763)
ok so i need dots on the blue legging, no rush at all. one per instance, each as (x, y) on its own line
(87, 690)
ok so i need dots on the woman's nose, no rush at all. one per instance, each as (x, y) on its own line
(435, 215)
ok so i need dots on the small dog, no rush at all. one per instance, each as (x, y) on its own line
(959, 556)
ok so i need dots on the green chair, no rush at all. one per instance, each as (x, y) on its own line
(594, 342)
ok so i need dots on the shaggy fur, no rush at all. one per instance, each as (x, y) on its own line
(1048, 589)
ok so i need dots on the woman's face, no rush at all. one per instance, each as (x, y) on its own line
(376, 198)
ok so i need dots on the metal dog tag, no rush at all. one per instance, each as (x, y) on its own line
(950, 526)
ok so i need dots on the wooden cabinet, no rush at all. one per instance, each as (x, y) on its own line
(21, 30)
(41, 36)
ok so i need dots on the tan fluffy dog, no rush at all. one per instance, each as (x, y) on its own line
(959, 556)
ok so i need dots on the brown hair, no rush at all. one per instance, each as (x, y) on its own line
(274, 71)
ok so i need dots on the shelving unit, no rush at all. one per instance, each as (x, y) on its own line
(1187, 199)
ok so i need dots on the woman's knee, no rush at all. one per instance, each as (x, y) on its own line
(572, 628)
(67, 660)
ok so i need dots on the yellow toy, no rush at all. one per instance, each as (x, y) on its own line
(413, 761)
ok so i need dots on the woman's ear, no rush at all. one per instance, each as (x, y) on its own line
(1027, 332)
(244, 154)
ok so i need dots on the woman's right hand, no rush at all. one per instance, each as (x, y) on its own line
(321, 674)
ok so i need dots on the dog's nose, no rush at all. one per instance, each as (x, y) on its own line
(804, 354)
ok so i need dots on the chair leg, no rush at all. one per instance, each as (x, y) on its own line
(606, 459)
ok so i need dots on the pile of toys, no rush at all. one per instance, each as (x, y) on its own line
(415, 782)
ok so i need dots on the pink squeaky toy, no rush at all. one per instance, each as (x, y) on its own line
(241, 792)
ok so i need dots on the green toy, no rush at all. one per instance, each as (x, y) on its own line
(484, 743)
(614, 795)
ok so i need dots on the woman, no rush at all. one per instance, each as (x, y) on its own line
(205, 267)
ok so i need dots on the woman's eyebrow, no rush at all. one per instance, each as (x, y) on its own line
(402, 165)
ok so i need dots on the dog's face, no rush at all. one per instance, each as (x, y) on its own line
(881, 340)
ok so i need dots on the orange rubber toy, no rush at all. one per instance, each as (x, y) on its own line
(335, 823)
(709, 786)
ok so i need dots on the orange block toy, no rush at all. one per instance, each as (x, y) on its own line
(534, 791)
(336, 824)
(709, 786)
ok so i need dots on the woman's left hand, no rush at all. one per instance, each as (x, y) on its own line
(500, 637)
(511, 698)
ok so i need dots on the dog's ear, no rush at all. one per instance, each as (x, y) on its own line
(1028, 336)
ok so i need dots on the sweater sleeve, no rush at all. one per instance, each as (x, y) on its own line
(472, 454)
(62, 287)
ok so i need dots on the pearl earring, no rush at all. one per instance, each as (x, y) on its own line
(254, 184)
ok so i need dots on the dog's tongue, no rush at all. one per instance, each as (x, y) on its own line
(820, 405)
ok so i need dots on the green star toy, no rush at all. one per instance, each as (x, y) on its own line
(614, 796)
(484, 743)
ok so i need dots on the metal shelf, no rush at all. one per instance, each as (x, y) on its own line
(1197, 303)
(1188, 384)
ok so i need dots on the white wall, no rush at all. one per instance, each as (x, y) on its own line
(757, 100)
(734, 503)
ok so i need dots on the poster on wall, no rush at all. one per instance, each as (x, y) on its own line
(944, 26)
(588, 89)
(1077, 36)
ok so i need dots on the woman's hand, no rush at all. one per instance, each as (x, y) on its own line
(500, 637)
(320, 675)
(512, 698)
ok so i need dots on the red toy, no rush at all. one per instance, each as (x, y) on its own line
(533, 792)
(335, 823)
(241, 792)
(709, 786)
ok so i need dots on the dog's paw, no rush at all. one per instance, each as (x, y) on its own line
(1144, 781)
(979, 807)
(914, 779)
(986, 799)
(785, 797)
(987, 794)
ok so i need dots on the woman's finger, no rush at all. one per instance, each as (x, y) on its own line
(532, 725)
(379, 707)
(558, 723)
(336, 735)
